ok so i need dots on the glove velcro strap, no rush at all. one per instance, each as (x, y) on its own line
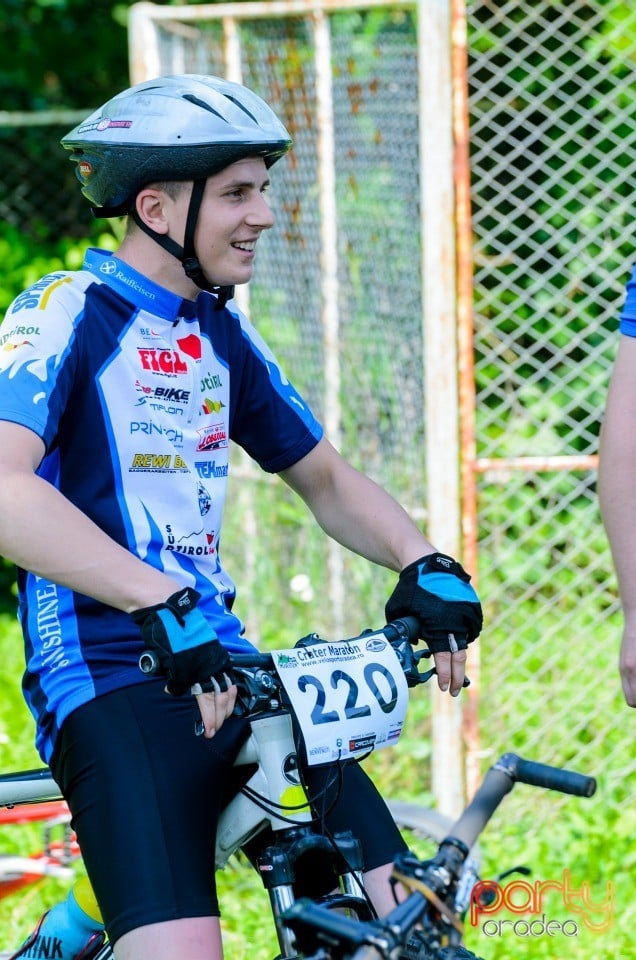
(180, 604)
(438, 563)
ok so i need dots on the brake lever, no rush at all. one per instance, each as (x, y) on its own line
(425, 677)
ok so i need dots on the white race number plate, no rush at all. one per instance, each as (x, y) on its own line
(349, 697)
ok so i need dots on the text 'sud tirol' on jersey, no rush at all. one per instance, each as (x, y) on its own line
(136, 394)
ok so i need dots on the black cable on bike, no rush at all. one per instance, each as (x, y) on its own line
(272, 806)
(269, 806)
(321, 815)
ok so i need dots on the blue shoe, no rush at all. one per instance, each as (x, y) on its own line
(50, 941)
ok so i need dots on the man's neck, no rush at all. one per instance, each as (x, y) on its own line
(148, 258)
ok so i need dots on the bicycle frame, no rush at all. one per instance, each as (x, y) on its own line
(271, 749)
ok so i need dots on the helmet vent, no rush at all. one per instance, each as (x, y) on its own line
(201, 103)
(242, 107)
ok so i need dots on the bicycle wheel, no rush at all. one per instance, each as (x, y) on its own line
(427, 827)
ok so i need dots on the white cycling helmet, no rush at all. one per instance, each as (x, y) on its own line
(186, 127)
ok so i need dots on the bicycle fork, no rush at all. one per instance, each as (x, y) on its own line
(277, 864)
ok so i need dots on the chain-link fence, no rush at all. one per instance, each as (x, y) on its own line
(552, 123)
(37, 193)
(552, 106)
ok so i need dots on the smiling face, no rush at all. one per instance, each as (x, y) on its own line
(233, 214)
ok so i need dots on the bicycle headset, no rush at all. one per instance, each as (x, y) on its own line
(173, 128)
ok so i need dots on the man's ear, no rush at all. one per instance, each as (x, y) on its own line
(150, 204)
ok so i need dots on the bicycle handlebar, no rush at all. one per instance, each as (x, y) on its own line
(434, 882)
(499, 781)
(552, 778)
(401, 634)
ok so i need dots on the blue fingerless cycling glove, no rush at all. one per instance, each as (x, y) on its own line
(436, 589)
(186, 646)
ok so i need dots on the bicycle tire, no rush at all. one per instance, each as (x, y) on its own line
(426, 823)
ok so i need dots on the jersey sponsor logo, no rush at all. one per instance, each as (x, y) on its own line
(152, 429)
(15, 346)
(168, 363)
(162, 407)
(112, 269)
(157, 463)
(213, 437)
(171, 394)
(36, 297)
(199, 543)
(212, 406)
(49, 627)
(209, 469)
(191, 346)
(211, 381)
(205, 500)
(19, 332)
(162, 398)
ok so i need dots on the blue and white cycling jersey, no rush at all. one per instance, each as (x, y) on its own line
(628, 313)
(136, 394)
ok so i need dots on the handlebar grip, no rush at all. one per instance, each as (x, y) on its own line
(149, 662)
(408, 627)
(554, 778)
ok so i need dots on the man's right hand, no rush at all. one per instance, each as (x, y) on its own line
(190, 655)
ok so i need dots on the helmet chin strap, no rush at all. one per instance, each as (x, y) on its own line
(186, 254)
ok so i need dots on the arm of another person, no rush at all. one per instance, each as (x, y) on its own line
(363, 517)
(617, 495)
(43, 532)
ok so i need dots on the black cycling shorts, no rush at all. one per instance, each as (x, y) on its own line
(145, 795)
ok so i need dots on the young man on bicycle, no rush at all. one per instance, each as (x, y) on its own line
(95, 515)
